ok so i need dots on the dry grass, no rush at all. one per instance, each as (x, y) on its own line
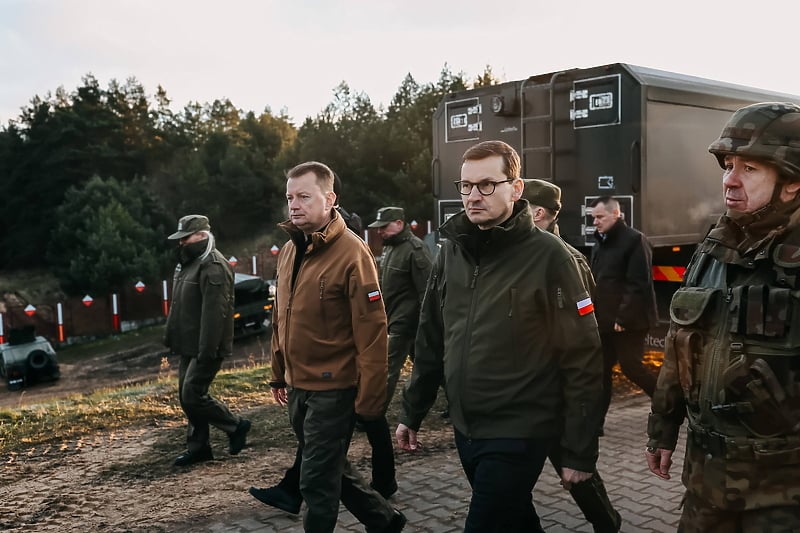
(111, 409)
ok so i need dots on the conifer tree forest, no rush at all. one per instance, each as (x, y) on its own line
(92, 179)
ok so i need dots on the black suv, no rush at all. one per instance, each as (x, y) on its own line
(252, 305)
(27, 358)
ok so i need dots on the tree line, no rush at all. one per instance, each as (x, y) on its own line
(91, 181)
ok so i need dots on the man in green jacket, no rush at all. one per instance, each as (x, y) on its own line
(405, 265)
(508, 323)
(200, 330)
(590, 495)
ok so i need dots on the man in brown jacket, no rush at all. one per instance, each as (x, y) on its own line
(200, 330)
(329, 360)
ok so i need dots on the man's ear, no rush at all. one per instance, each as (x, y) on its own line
(330, 200)
(791, 189)
(518, 186)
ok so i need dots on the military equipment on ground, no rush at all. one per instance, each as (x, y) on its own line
(638, 134)
(27, 358)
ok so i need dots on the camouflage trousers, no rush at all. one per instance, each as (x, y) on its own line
(700, 516)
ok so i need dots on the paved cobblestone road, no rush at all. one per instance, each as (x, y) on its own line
(434, 493)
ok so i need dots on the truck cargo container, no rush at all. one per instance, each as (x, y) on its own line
(635, 133)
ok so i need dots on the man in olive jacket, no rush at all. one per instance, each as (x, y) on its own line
(405, 267)
(200, 330)
(590, 495)
(508, 323)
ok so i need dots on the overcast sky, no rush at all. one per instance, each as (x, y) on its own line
(291, 54)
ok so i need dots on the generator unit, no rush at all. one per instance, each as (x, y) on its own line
(635, 133)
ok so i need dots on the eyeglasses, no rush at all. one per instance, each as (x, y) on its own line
(485, 187)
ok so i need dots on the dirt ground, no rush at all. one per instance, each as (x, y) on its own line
(117, 367)
(124, 481)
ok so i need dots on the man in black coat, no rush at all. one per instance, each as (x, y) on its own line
(625, 303)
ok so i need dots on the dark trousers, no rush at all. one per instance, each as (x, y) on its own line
(592, 499)
(323, 423)
(627, 348)
(502, 473)
(202, 409)
(383, 469)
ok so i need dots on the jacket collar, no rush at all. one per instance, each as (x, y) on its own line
(614, 230)
(320, 238)
(738, 236)
(397, 238)
(458, 228)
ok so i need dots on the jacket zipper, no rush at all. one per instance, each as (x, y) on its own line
(289, 314)
(465, 350)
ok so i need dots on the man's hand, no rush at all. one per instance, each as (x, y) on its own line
(406, 438)
(659, 461)
(618, 328)
(571, 477)
(279, 395)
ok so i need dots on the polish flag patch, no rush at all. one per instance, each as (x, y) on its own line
(585, 306)
(374, 296)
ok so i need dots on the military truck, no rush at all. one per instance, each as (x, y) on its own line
(621, 130)
(252, 305)
(27, 358)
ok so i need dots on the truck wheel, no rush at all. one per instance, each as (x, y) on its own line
(37, 359)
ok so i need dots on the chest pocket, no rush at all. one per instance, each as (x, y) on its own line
(333, 303)
(692, 310)
(395, 278)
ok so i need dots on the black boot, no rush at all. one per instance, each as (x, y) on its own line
(239, 437)
(198, 456)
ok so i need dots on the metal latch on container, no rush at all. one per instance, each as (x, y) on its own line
(582, 94)
(576, 114)
(605, 182)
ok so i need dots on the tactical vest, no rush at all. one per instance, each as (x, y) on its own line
(735, 334)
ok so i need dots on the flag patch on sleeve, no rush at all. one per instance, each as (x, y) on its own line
(374, 296)
(585, 306)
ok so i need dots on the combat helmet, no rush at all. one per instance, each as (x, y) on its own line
(769, 130)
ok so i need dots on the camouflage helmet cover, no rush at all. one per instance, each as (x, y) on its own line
(769, 130)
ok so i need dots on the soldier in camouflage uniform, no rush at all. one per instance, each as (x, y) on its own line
(732, 358)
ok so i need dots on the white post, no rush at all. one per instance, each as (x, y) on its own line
(115, 312)
(164, 298)
(60, 319)
(254, 265)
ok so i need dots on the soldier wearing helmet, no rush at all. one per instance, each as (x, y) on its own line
(732, 358)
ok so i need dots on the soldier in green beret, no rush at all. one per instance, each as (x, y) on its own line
(590, 495)
(200, 330)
